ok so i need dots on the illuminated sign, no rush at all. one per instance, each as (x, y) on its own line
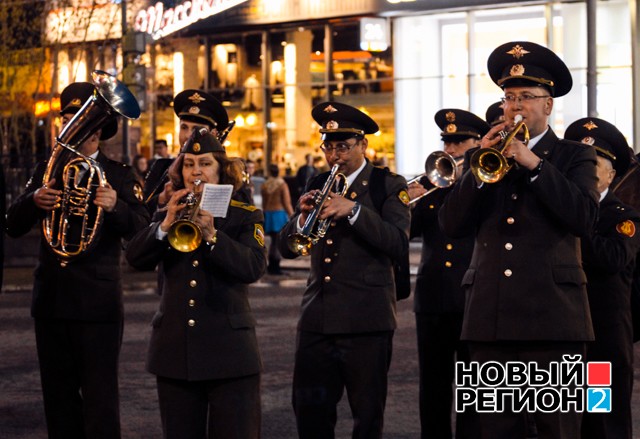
(85, 21)
(374, 34)
(159, 22)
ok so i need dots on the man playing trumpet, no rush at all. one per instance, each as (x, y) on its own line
(347, 320)
(526, 297)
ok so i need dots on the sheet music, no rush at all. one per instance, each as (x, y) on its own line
(215, 199)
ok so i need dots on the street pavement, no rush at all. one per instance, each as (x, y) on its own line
(275, 301)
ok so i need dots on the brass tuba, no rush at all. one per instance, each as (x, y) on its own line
(314, 229)
(184, 234)
(73, 226)
(489, 165)
(440, 168)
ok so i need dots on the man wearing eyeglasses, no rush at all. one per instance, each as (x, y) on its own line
(526, 297)
(348, 311)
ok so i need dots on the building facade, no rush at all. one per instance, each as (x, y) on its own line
(270, 61)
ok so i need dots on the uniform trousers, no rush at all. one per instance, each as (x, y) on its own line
(325, 365)
(439, 346)
(511, 425)
(227, 408)
(79, 375)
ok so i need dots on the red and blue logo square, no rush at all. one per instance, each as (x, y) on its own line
(599, 391)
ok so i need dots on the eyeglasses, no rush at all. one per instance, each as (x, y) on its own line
(522, 98)
(339, 148)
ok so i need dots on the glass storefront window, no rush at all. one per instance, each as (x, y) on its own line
(439, 65)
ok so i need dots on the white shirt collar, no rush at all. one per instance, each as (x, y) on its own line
(536, 139)
(603, 194)
(352, 177)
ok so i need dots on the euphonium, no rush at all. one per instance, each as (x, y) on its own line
(314, 229)
(489, 165)
(73, 226)
(184, 234)
(440, 168)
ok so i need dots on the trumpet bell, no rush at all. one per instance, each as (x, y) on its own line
(440, 169)
(489, 165)
(300, 244)
(185, 236)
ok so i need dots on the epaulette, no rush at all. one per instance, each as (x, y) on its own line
(245, 206)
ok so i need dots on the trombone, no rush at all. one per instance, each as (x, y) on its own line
(314, 229)
(489, 165)
(440, 168)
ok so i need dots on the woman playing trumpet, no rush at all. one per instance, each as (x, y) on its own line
(203, 347)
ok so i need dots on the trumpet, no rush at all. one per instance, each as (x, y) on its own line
(314, 229)
(184, 234)
(440, 168)
(489, 165)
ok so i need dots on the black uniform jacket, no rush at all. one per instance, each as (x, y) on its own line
(351, 286)
(609, 257)
(204, 328)
(88, 288)
(525, 280)
(444, 260)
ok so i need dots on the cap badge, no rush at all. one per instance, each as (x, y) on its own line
(196, 98)
(196, 147)
(76, 102)
(332, 125)
(590, 125)
(451, 128)
(517, 70)
(589, 140)
(330, 109)
(450, 116)
(194, 110)
(518, 51)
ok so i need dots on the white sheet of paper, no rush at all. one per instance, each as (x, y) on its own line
(215, 199)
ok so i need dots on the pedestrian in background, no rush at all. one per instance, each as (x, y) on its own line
(276, 203)
(305, 173)
(203, 347)
(140, 168)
